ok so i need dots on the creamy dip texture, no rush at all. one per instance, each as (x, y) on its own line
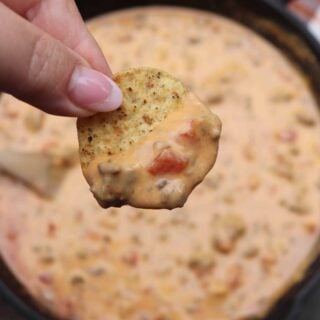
(246, 233)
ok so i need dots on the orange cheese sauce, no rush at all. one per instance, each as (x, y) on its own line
(245, 235)
(164, 167)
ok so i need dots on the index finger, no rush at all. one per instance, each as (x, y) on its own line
(62, 20)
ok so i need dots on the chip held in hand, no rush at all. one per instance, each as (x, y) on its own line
(153, 150)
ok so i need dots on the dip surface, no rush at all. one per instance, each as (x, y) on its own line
(247, 232)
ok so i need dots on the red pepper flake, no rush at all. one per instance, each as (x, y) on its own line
(46, 278)
(167, 162)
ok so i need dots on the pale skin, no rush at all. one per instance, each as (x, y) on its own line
(50, 60)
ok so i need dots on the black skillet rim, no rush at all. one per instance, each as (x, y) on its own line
(280, 7)
(29, 311)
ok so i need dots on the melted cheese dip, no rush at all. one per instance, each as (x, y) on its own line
(246, 233)
(165, 164)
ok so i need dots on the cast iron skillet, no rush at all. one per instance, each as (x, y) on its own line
(270, 19)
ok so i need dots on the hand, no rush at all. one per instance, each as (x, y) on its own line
(49, 59)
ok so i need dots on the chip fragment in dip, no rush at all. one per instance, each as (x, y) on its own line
(153, 150)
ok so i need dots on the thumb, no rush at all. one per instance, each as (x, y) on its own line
(40, 70)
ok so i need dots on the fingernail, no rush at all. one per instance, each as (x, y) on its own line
(94, 91)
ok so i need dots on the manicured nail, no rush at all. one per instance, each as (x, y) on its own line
(94, 91)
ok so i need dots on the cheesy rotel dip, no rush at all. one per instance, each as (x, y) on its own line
(246, 234)
(161, 142)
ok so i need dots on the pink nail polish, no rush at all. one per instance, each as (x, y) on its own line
(94, 91)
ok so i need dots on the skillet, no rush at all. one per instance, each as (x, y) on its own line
(272, 20)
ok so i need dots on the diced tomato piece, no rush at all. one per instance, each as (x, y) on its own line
(190, 135)
(167, 162)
